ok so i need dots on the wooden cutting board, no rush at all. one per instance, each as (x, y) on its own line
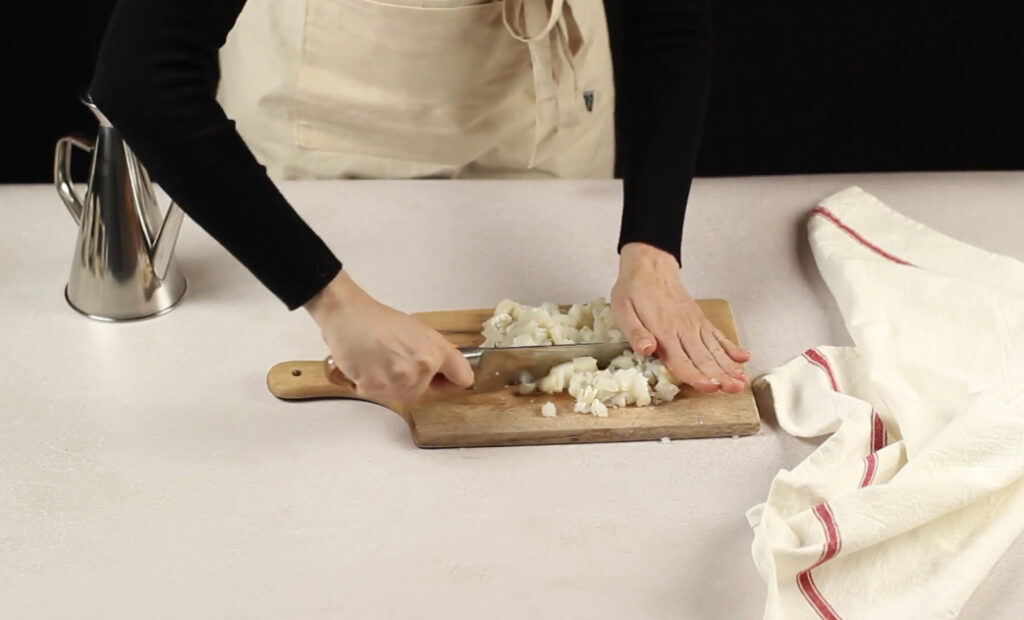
(507, 419)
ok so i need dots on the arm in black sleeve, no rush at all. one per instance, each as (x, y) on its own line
(662, 62)
(156, 80)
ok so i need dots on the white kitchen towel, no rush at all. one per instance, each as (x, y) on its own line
(920, 489)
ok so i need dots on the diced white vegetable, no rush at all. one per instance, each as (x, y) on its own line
(540, 316)
(623, 362)
(576, 383)
(629, 379)
(584, 364)
(559, 334)
(665, 391)
(505, 306)
(523, 340)
(662, 373)
(580, 315)
(640, 391)
(556, 379)
(548, 410)
(586, 335)
(606, 382)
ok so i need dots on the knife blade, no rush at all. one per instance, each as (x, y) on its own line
(498, 367)
(495, 368)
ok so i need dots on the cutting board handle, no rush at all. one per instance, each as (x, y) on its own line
(302, 380)
(297, 380)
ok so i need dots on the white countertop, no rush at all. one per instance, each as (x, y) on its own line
(145, 471)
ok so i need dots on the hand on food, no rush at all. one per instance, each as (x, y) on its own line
(630, 379)
(657, 315)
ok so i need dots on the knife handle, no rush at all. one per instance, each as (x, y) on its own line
(312, 379)
(335, 376)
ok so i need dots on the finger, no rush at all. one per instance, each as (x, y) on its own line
(424, 378)
(407, 380)
(671, 353)
(373, 389)
(733, 350)
(456, 369)
(442, 385)
(640, 338)
(703, 359)
(724, 361)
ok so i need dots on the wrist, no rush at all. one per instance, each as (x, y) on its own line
(339, 293)
(638, 254)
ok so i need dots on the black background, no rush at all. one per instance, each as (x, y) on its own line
(798, 87)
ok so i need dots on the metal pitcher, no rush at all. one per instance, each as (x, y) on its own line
(123, 267)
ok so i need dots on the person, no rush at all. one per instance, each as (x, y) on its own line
(421, 89)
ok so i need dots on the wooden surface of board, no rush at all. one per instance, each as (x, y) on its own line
(505, 418)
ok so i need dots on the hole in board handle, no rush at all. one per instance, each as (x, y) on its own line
(296, 373)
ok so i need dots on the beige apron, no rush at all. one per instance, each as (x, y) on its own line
(422, 88)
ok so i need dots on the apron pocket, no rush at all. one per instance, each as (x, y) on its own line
(434, 80)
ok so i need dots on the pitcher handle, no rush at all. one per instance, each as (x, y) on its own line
(62, 173)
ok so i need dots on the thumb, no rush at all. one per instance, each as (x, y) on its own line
(456, 369)
(640, 338)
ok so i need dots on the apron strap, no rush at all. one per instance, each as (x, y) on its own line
(546, 34)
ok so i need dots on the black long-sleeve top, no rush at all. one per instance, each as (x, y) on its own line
(156, 80)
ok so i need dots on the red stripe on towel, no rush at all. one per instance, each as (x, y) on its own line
(819, 210)
(828, 520)
(831, 548)
(814, 598)
(878, 438)
(833, 541)
(878, 441)
(817, 358)
(878, 434)
(870, 467)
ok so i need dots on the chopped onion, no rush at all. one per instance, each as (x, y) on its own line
(630, 378)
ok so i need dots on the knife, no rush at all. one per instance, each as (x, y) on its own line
(496, 368)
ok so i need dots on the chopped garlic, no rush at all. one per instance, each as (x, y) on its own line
(548, 410)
